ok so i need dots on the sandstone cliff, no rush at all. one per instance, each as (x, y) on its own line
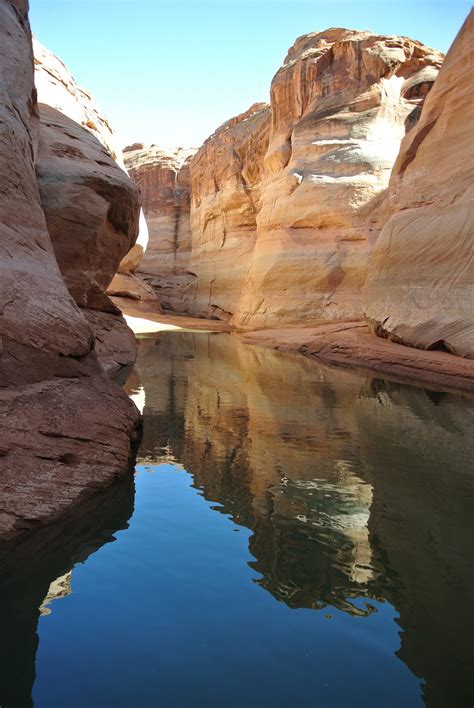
(66, 428)
(286, 200)
(91, 205)
(164, 182)
(226, 175)
(420, 289)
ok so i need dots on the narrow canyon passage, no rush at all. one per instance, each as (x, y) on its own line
(294, 535)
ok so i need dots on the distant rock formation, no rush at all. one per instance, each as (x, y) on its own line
(420, 289)
(164, 182)
(285, 199)
(226, 177)
(66, 428)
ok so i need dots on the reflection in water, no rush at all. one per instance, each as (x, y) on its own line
(358, 494)
(355, 489)
(38, 571)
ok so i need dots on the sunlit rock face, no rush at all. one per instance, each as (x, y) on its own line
(66, 429)
(286, 200)
(421, 281)
(225, 180)
(164, 182)
(91, 206)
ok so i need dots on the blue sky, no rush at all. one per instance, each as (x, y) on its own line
(169, 72)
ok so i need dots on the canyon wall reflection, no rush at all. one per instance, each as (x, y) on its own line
(355, 489)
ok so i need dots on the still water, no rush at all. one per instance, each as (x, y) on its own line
(294, 535)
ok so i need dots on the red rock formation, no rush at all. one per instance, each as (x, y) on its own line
(163, 178)
(66, 427)
(289, 241)
(420, 289)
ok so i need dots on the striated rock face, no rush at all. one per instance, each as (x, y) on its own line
(282, 196)
(226, 175)
(164, 182)
(66, 428)
(421, 281)
(91, 205)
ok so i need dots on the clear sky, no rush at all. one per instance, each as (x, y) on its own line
(171, 71)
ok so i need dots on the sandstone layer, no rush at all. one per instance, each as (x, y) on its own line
(420, 289)
(91, 205)
(286, 199)
(66, 428)
(164, 182)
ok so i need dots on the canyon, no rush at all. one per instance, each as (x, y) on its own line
(337, 220)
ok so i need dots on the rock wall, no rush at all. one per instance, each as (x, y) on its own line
(286, 200)
(66, 428)
(420, 289)
(164, 182)
(91, 206)
(57, 88)
(225, 178)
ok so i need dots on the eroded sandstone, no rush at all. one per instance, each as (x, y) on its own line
(420, 289)
(286, 200)
(91, 205)
(66, 428)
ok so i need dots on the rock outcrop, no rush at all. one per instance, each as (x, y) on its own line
(66, 428)
(164, 182)
(91, 205)
(286, 200)
(420, 289)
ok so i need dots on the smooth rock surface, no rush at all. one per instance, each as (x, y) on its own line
(66, 428)
(58, 89)
(91, 206)
(35, 307)
(420, 289)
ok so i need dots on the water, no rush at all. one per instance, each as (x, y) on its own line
(294, 536)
